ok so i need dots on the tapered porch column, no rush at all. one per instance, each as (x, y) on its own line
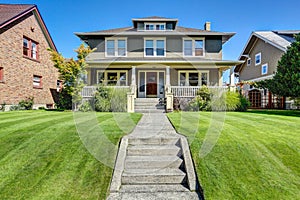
(132, 94)
(220, 77)
(169, 95)
(133, 76)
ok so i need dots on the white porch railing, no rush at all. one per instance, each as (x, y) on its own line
(89, 91)
(189, 91)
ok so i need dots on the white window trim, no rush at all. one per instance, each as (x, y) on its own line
(112, 71)
(193, 46)
(249, 60)
(154, 24)
(116, 46)
(193, 71)
(264, 65)
(258, 54)
(154, 46)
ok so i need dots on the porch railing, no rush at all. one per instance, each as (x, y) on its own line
(189, 91)
(89, 91)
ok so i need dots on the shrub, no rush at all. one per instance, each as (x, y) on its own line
(232, 100)
(2, 107)
(244, 104)
(118, 102)
(14, 107)
(102, 99)
(85, 107)
(64, 101)
(26, 104)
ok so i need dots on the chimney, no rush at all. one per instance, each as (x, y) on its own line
(207, 26)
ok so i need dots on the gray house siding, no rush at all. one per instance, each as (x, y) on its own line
(269, 54)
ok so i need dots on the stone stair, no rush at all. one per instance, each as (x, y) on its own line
(155, 164)
(148, 105)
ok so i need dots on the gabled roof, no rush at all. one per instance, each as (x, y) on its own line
(279, 39)
(11, 12)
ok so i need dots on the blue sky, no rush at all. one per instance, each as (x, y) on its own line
(64, 17)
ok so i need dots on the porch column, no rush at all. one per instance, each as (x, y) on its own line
(133, 81)
(220, 77)
(169, 95)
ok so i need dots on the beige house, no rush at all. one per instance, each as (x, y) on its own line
(25, 66)
(261, 55)
(156, 58)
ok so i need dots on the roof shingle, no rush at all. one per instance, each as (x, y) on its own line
(10, 11)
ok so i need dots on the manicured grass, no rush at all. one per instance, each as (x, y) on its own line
(43, 157)
(256, 156)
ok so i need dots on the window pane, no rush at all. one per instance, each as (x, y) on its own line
(33, 50)
(142, 82)
(162, 27)
(121, 43)
(149, 43)
(188, 51)
(25, 47)
(193, 79)
(160, 47)
(110, 47)
(122, 78)
(112, 78)
(198, 47)
(204, 78)
(149, 52)
(25, 43)
(257, 59)
(100, 77)
(182, 79)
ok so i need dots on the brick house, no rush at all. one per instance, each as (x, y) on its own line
(156, 58)
(26, 69)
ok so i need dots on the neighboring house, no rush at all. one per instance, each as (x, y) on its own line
(261, 55)
(26, 69)
(157, 58)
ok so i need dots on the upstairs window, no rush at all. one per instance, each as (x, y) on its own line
(264, 69)
(116, 47)
(37, 81)
(258, 59)
(155, 47)
(30, 48)
(193, 47)
(155, 26)
(249, 62)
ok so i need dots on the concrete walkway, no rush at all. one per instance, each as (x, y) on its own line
(154, 162)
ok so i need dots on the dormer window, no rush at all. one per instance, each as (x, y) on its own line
(155, 26)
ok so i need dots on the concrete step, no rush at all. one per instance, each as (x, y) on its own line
(159, 176)
(155, 195)
(149, 110)
(149, 107)
(147, 100)
(154, 188)
(152, 162)
(153, 141)
(148, 150)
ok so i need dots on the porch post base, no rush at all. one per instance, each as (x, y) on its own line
(169, 107)
(130, 102)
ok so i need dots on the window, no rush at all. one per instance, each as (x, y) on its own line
(193, 78)
(30, 48)
(155, 26)
(264, 69)
(1, 74)
(257, 59)
(193, 47)
(116, 47)
(112, 78)
(249, 62)
(155, 47)
(37, 81)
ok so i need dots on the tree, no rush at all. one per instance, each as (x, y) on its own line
(71, 71)
(286, 81)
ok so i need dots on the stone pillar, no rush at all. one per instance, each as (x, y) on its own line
(130, 102)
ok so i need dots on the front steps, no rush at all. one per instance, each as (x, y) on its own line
(148, 105)
(154, 163)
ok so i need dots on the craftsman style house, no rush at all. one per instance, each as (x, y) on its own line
(157, 58)
(261, 55)
(25, 66)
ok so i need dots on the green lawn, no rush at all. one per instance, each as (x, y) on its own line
(256, 156)
(43, 157)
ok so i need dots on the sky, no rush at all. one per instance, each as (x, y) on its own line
(64, 17)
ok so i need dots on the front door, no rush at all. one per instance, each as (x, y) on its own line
(151, 85)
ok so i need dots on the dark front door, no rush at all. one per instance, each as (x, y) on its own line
(151, 84)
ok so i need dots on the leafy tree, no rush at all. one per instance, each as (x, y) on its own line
(286, 81)
(70, 71)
